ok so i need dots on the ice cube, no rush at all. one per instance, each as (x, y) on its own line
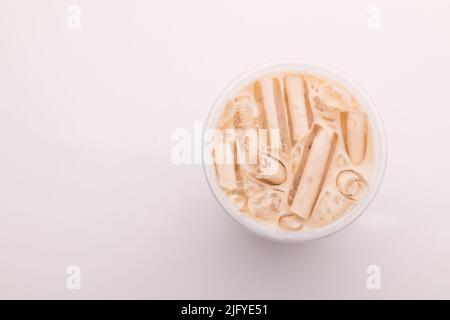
(290, 222)
(266, 204)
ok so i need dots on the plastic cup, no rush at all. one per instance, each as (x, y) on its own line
(379, 145)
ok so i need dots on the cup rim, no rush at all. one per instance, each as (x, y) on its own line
(380, 151)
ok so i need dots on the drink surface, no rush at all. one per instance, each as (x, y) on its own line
(293, 150)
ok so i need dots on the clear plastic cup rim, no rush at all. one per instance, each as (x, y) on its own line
(380, 151)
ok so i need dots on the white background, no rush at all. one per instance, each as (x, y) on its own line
(85, 171)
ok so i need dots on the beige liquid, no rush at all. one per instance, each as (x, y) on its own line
(316, 160)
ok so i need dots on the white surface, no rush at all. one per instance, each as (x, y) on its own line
(86, 177)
